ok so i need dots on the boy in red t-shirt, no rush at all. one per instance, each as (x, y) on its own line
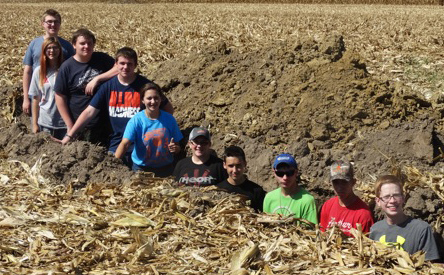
(345, 210)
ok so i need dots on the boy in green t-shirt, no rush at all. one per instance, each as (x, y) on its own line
(289, 198)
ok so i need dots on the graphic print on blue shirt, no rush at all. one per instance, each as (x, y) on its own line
(156, 143)
(124, 105)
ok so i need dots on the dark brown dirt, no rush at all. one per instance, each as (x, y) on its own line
(310, 98)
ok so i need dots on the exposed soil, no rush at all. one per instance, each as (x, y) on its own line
(310, 98)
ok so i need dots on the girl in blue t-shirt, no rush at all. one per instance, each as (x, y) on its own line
(45, 116)
(155, 135)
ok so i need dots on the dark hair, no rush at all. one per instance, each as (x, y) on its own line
(234, 151)
(151, 86)
(53, 13)
(85, 33)
(127, 52)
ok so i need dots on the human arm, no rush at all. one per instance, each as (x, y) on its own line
(427, 243)
(123, 148)
(89, 113)
(35, 114)
(176, 137)
(27, 75)
(177, 170)
(35, 93)
(62, 106)
(89, 89)
(324, 218)
(173, 146)
(257, 201)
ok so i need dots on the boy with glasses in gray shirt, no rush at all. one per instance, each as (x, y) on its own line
(51, 22)
(398, 229)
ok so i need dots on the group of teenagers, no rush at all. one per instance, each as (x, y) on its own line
(73, 92)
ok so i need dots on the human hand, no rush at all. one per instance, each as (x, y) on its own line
(56, 139)
(89, 89)
(65, 140)
(35, 128)
(26, 106)
(173, 146)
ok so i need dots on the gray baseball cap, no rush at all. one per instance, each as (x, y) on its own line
(341, 170)
(199, 132)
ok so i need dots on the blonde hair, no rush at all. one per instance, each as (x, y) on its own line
(386, 179)
(44, 62)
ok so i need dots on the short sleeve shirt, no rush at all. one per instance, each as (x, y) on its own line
(121, 102)
(209, 173)
(412, 235)
(151, 138)
(333, 214)
(34, 50)
(301, 205)
(49, 116)
(248, 188)
(73, 77)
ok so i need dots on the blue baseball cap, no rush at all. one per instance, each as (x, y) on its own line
(287, 159)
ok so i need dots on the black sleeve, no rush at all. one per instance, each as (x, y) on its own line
(221, 173)
(108, 61)
(177, 169)
(258, 199)
(164, 101)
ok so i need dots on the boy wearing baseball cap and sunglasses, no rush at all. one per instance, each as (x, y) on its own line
(289, 199)
(345, 210)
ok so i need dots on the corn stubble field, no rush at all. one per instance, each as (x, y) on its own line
(399, 43)
(148, 227)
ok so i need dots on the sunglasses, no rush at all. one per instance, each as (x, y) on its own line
(200, 142)
(288, 173)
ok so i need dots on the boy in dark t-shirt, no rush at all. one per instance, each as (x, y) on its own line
(237, 182)
(75, 83)
(118, 98)
(202, 168)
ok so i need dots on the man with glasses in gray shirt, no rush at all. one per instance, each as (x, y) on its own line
(51, 22)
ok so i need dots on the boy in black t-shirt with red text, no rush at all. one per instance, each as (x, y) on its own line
(202, 168)
(237, 182)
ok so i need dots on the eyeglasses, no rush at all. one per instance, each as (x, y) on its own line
(200, 142)
(281, 174)
(52, 22)
(396, 197)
